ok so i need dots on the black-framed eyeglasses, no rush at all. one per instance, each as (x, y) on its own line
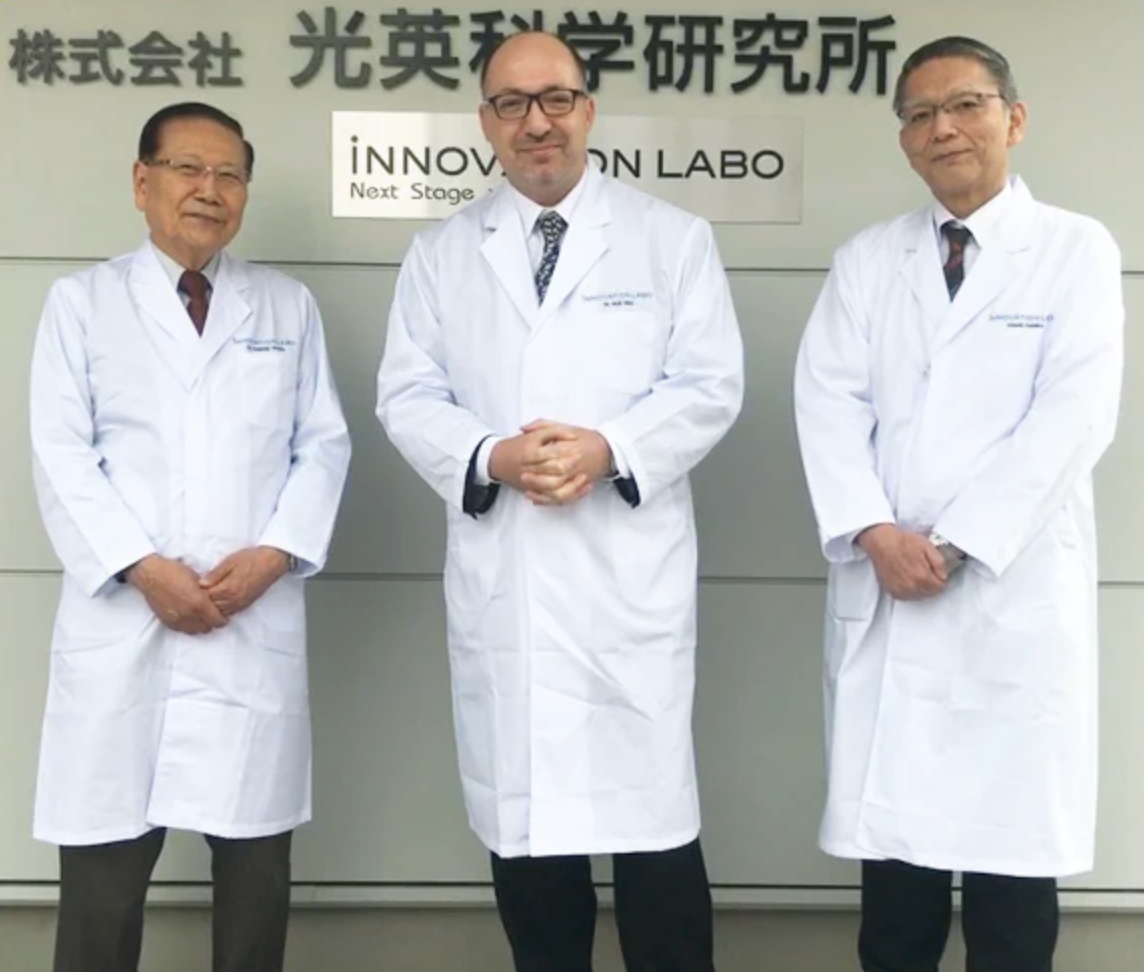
(514, 105)
(193, 170)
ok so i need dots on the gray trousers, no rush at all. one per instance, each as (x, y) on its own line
(103, 888)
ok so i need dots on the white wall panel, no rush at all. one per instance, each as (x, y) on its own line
(387, 797)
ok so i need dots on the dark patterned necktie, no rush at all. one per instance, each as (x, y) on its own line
(197, 288)
(954, 268)
(552, 227)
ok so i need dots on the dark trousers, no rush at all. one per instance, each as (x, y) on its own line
(663, 911)
(103, 887)
(1010, 924)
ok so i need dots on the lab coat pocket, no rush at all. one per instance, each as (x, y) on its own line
(851, 598)
(654, 551)
(625, 351)
(852, 590)
(122, 616)
(283, 682)
(108, 666)
(266, 388)
(281, 614)
(472, 574)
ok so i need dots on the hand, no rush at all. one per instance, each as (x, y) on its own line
(174, 594)
(574, 460)
(908, 566)
(243, 577)
(551, 463)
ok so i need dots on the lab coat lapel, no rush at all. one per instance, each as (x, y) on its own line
(998, 266)
(584, 243)
(506, 252)
(922, 269)
(165, 319)
(228, 309)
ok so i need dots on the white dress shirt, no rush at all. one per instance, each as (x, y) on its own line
(982, 223)
(175, 270)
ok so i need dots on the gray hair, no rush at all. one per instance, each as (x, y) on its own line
(993, 61)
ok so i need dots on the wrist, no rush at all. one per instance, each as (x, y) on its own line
(871, 536)
(286, 563)
(497, 459)
(136, 574)
(607, 465)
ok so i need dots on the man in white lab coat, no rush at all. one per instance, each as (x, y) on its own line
(957, 382)
(560, 355)
(189, 457)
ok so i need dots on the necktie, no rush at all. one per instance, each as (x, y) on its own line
(197, 288)
(552, 227)
(954, 269)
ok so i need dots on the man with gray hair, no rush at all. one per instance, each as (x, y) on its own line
(189, 457)
(957, 382)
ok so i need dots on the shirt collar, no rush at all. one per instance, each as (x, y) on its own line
(174, 269)
(530, 210)
(983, 221)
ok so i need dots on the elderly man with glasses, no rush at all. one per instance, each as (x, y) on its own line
(190, 454)
(957, 383)
(560, 355)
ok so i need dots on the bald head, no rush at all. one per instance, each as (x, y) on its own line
(531, 43)
(537, 115)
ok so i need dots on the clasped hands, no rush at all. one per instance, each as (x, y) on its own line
(185, 601)
(909, 567)
(551, 463)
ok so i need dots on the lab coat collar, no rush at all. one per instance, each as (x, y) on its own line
(506, 250)
(1002, 260)
(178, 344)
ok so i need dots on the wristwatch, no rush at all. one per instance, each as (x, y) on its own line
(954, 556)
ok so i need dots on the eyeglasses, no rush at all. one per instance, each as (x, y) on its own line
(227, 176)
(554, 102)
(965, 107)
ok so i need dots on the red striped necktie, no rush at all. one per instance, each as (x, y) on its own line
(198, 289)
(954, 269)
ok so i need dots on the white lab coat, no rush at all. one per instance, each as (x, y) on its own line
(962, 729)
(147, 438)
(571, 630)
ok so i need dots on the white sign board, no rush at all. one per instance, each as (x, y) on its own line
(421, 165)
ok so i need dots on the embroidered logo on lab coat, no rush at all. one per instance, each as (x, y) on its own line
(619, 298)
(1022, 320)
(254, 345)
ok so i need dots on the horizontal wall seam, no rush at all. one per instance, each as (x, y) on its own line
(388, 265)
(713, 580)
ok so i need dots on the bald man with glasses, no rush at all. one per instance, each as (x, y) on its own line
(560, 355)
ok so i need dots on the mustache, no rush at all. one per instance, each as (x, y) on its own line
(546, 140)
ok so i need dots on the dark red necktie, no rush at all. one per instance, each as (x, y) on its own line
(954, 268)
(198, 289)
